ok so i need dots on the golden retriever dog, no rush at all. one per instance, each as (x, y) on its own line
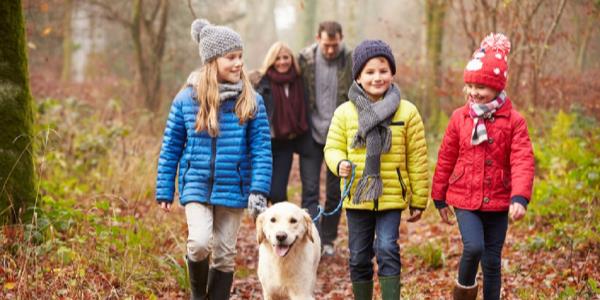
(289, 252)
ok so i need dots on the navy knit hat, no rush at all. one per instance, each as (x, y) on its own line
(369, 49)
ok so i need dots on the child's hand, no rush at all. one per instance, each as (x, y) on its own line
(415, 215)
(345, 168)
(445, 214)
(516, 211)
(257, 203)
(166, 206)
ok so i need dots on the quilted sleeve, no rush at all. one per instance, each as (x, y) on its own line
(447, 156)
(260, 150)
(521, 160)
(335, 145)
(174, 139)
(416, 160)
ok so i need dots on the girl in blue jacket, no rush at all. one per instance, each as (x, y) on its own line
(217, 142)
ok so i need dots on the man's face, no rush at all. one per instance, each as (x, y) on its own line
(330, 46)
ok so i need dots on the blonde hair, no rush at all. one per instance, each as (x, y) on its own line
(207, 89)
(272, 57)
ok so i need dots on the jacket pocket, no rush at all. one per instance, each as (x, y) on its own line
(402, 184)
(238, 167)
(456, 175)
(398, 123)
(188, 165)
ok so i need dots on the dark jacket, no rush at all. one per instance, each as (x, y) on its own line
(307, 61)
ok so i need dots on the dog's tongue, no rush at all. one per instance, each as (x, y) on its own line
(282, 250)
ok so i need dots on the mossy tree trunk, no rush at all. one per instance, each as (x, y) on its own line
(17, 192)
(435, 13)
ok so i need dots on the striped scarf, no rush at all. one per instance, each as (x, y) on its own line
(483, 111)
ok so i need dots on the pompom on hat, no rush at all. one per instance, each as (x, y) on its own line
(214, 41)
(489, 65)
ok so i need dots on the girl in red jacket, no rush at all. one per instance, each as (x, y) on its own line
(485, 168)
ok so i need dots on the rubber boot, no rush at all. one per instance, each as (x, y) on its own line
(198, 271)
(390, 287)
(363, 290)
(462, 292)
(219, 284)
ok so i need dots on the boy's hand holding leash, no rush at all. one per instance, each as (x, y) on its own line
(345, 168)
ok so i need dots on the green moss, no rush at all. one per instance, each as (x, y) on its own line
(17, 190)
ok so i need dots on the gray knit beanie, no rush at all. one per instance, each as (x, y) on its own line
(214, 41)
(368, 49)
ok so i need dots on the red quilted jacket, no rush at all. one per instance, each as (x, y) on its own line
(486, 176)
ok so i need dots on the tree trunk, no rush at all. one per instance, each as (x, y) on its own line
(435, 12)
(149, 49)
(309, 30)
(67, 42)
(17, 192)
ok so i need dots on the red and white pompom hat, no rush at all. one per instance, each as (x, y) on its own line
(489, 65)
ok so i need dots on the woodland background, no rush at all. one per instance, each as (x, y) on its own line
(102, 74)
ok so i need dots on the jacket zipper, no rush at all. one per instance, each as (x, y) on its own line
(401, 183)
(239, 170)
(211, 178)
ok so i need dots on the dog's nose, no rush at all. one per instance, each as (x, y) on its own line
(281, 236)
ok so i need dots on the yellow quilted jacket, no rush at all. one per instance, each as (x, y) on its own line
(404, 169)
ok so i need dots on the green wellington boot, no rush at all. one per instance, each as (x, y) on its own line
(390, 287)
(363, 290)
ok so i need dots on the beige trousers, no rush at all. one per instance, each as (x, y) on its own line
(213, 228)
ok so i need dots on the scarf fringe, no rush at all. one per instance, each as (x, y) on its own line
(387, 140)
(368, 188)
(358, 142)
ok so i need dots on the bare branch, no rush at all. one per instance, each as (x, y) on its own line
(559, 13)
(110, 14)
(192, 9)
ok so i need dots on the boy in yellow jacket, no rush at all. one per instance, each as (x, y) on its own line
(383, 137)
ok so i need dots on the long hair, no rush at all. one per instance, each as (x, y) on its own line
(271, 57)
(207, 89)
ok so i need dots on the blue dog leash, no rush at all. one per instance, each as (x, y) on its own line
(345, 192)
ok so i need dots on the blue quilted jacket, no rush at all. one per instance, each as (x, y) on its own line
(220, 171)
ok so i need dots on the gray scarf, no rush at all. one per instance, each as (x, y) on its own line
(226, 90)
(230, 90)
(373, 133)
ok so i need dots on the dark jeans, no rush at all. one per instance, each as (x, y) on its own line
(311, 160)
(283, 155)
(483, 235)
(373, 233)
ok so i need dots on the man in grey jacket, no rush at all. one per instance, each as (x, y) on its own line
(327, 74)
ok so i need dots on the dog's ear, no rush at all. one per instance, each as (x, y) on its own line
(260, 234)
(308, 224)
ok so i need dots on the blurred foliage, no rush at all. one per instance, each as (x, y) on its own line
(567, 186)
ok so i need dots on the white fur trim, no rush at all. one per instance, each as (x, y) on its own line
(474, 286)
